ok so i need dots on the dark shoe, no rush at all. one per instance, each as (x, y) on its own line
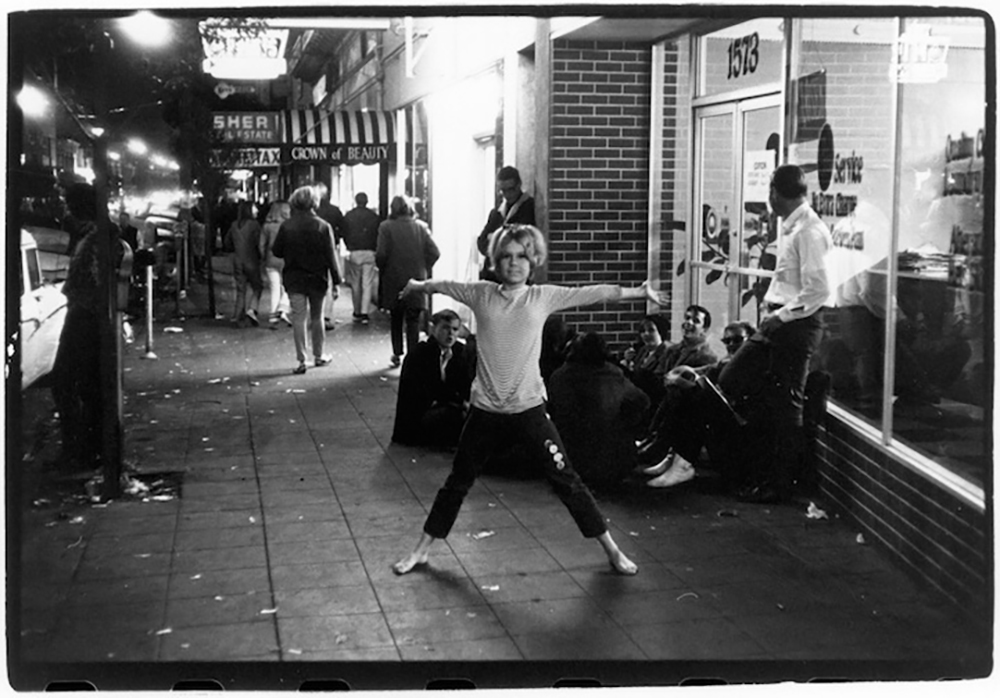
(364, 320)
(323, 360)
(328, 324)
(394, 360)
(300, 370)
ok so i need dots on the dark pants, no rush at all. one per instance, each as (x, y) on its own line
(486, 432)
(765, 382)
(76, 387)
(399, 315)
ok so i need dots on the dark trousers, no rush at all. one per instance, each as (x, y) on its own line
(401, 315)
(765, 381)
(76, 387)
(487, 432)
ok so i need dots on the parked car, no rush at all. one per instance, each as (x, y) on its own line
(43, 311)
(52, 245)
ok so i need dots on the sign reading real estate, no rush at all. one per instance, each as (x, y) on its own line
(248, 127)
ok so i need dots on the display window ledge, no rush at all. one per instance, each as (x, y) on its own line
(969, 492)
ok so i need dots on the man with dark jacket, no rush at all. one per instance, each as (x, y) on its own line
(515, 207)
(434, 387)
(360, 236)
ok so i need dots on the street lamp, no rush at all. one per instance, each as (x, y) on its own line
(32, 101)
(147, 29)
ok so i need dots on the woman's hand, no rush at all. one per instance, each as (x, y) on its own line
(658, 297)
(412, 286)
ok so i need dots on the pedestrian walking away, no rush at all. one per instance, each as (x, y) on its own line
(306, 244)
(508, 394)
(330, 213)
(360, 236)
(273, 266)
(243, 240)
(405, 251)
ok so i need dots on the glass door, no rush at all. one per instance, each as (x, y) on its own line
(736, 149)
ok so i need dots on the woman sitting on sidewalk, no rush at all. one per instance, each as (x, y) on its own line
(508, 395)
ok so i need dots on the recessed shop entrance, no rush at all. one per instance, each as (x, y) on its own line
(732, 251)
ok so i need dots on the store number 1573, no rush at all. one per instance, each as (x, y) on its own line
(743, 56)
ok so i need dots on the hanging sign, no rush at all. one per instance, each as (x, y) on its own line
(248, 127)
(350, 154)
(245, 158)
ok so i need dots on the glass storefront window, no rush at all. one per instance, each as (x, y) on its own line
(941, 372)
(843, 131)
(842, 126)
(742, 56)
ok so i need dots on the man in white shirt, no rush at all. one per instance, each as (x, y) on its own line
(768, 373)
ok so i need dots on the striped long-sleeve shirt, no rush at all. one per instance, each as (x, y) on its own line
(509, 336)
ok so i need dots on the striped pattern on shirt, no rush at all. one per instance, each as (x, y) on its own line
(509, 336)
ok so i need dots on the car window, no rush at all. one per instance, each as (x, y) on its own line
(34, 269)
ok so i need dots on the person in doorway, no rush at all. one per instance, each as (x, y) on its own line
(508, 394)
(515, 207)
(765, 380)
(305, 243)
(273, 266)
(243, 239)
(405, 250)
(330, 213)
(360, 236)
(434, 387)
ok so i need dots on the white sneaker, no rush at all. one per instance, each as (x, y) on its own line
(660, 467)
(680, 471)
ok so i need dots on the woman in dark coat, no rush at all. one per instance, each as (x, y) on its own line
(305, 243)
(598, 412)
(405, 251)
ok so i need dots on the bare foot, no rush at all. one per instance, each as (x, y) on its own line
(409, 562)
(621, 564)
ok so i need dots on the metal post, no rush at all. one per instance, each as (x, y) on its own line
(149, 314)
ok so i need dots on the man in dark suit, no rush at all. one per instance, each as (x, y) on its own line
(515, 207)
(434, 387)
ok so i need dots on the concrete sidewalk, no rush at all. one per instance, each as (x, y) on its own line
(266, 557)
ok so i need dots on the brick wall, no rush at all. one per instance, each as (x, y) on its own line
(931, 533)
(599, 177)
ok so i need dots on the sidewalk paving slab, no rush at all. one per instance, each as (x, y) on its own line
(290, 503)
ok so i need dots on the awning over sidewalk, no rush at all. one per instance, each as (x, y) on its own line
(340, 128)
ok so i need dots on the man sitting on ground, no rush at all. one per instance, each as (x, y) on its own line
(678, 418)
(434, 387)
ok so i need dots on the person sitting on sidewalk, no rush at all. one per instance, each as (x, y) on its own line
(598, 412)
(765, 382)
(434, 387)
(678, 415)
(508, 394)
(645, 366)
